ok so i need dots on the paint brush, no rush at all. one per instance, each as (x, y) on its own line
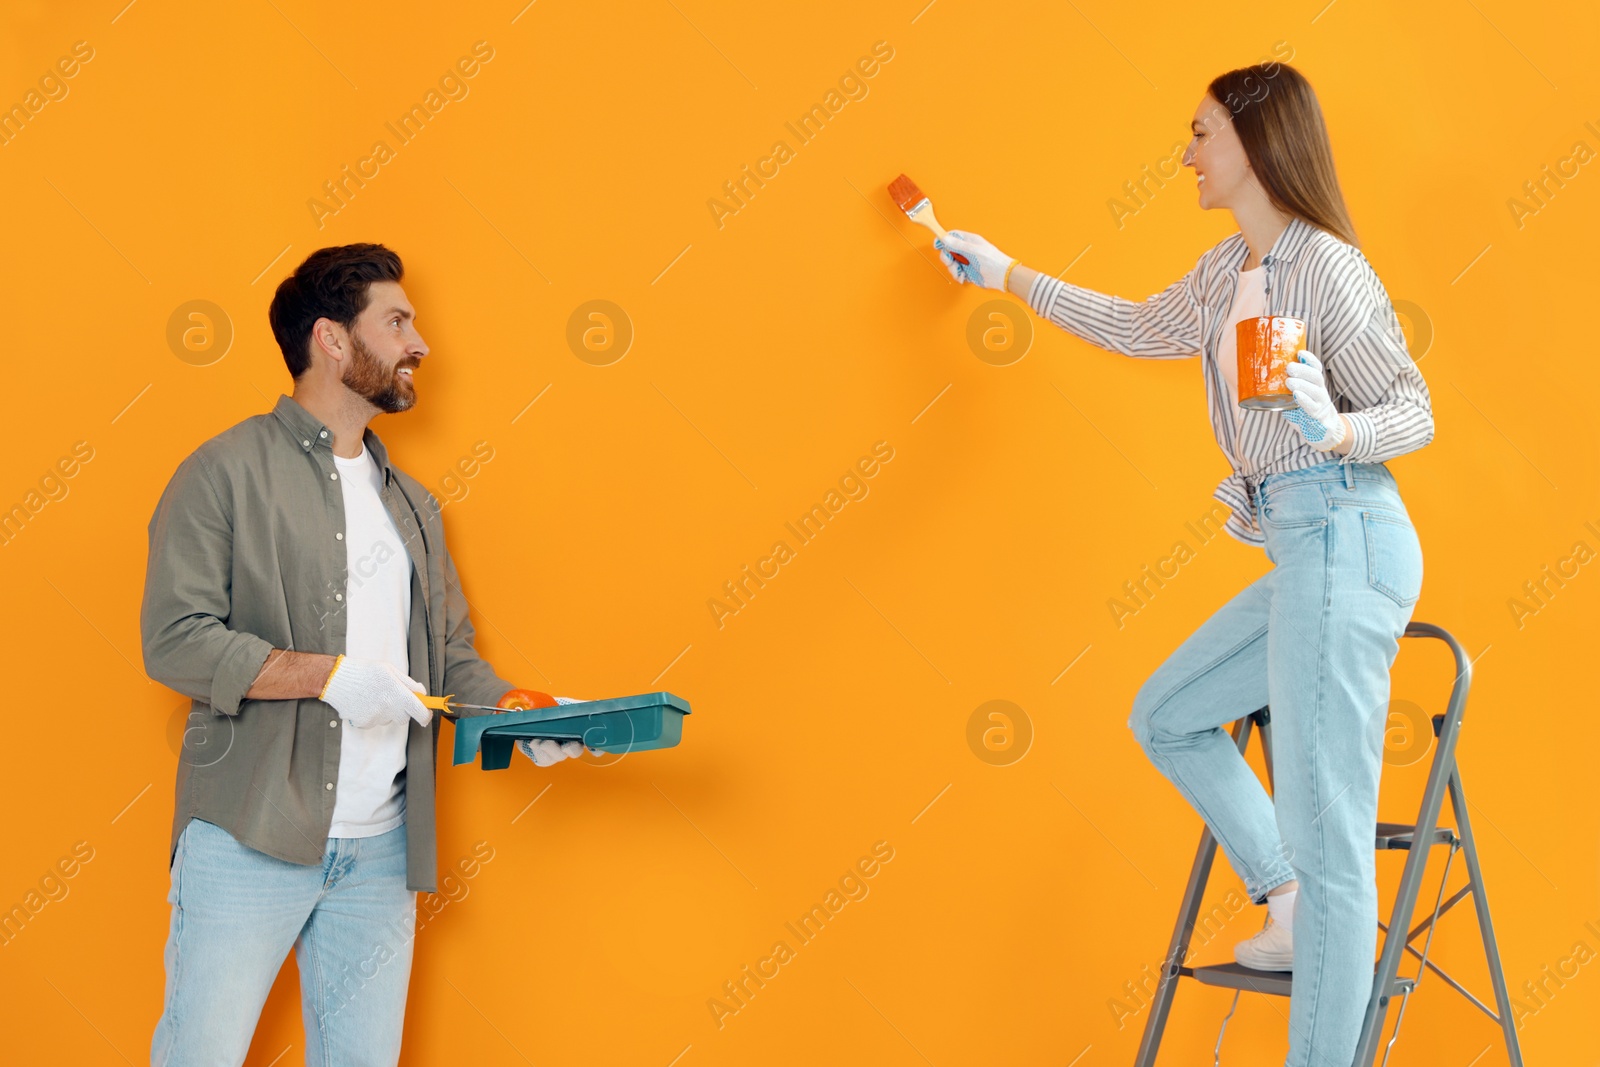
(918, 208)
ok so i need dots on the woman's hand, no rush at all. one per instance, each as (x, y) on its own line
(986, 265)
(1323, 428)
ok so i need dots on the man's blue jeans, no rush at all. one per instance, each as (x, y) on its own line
(235, 914)
(1314, 639)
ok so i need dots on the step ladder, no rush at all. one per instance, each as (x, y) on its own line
(1388, 983)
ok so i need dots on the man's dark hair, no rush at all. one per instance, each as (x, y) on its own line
(332, 283)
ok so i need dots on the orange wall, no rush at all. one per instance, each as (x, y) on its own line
(769, 353)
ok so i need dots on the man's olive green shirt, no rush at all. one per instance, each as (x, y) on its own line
(247, 554)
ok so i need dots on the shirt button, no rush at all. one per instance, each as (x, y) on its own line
(329, 785)
(306, 443)
(324, 433)
(338, 596)
(333, 722)
(338, 537)
(333, 477)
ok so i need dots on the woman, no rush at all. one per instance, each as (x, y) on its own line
(1314, 637)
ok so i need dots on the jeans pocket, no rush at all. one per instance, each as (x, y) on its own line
(1394, 557)
(1294, 506)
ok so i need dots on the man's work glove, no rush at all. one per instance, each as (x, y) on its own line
(544, 752)
(986, 265)
(1322, 427)
(373, 694)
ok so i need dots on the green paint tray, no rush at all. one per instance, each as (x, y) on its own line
(614, 725)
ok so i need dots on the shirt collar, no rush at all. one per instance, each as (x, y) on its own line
(309, 432)
(1289, 244)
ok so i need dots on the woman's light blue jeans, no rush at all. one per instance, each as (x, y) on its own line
(1314, 639)
(235, 914)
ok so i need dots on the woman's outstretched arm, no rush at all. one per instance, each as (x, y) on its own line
(1165, 326)
(1020, 283)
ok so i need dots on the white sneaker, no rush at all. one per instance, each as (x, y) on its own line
(1270, 950)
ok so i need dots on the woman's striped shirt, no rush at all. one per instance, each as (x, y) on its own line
(1351, 327)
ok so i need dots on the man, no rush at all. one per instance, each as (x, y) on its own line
(300, 592)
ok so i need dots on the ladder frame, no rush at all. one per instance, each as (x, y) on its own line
(1444, 777)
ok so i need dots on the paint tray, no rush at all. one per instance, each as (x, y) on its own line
(614, 725)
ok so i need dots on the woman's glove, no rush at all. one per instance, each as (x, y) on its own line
(1322, 427)
(986, 265)
(372, 694)
(544, 752)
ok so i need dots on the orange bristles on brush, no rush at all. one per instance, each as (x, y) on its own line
(918, 208)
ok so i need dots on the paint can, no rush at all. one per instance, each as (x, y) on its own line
(1267, 344)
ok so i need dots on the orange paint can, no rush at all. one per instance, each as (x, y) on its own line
(1267, 344)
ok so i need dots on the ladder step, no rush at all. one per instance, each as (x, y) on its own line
(1277, 983)
(1399, 835)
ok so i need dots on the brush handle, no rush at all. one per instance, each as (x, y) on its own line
(440, 704)
(926, 218)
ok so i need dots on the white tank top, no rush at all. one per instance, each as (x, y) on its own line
(1249, 301)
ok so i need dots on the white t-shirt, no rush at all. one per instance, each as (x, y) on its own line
(378, 601)
(1249, 301)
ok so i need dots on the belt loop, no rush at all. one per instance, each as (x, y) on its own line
(1349, 476)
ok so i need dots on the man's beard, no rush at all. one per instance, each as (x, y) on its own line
(379, 385)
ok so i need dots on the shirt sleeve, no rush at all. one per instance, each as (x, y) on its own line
(1165, 326)
(188, 598)
(1375, 384)
(466, 674)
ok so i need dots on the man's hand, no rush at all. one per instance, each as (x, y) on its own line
(1318, 422)
(986, 265)
(371, 694)
(545, 752)
(289, 675)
